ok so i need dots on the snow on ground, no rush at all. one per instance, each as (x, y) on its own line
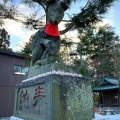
(107, 117)
(97, 117)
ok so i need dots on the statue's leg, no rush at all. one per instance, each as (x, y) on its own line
(58, 43)
(51, 49)
(37, 48)
(37, 53)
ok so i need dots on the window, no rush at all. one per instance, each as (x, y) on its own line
(20, 70)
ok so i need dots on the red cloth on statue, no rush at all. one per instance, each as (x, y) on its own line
(51, 29)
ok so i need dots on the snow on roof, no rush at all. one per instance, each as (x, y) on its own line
(112, 80)
(108, 83)
(105, 88)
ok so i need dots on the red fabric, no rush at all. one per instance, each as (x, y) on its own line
(51, 29)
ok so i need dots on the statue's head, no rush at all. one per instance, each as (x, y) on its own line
(56, 11)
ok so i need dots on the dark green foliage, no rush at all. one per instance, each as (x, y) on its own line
(66, 45)
(32, 23)
(8, 12)
(26, 51)
(88, 15)
(98, 46)
(83, 68)
(4, 39)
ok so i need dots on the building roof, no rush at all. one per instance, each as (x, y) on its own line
(108, 83)
(109, 79)
(8, 52)
(105, 88)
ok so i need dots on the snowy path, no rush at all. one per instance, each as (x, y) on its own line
(107, 117)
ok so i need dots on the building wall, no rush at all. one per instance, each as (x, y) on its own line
(8, 80)
(110, 98)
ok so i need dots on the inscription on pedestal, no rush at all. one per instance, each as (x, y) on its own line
(55, 97)
(33, 101)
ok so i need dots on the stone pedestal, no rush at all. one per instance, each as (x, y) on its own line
(54, 95)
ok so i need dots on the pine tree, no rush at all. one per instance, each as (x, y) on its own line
(99, 49)
(26, 51)
(8, 12)
(88, 15)
(4, 40)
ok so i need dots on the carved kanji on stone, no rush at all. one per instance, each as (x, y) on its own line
(39, 93)
(24, 98)
(39, 102)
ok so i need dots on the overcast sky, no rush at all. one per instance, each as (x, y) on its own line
(19, 34)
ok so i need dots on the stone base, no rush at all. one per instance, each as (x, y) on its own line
(54, 97)
(37, 70)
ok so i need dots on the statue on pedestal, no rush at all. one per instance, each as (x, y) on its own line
(46, 42)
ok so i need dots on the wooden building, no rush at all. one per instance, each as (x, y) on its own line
(109, 91)
(12, 71)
